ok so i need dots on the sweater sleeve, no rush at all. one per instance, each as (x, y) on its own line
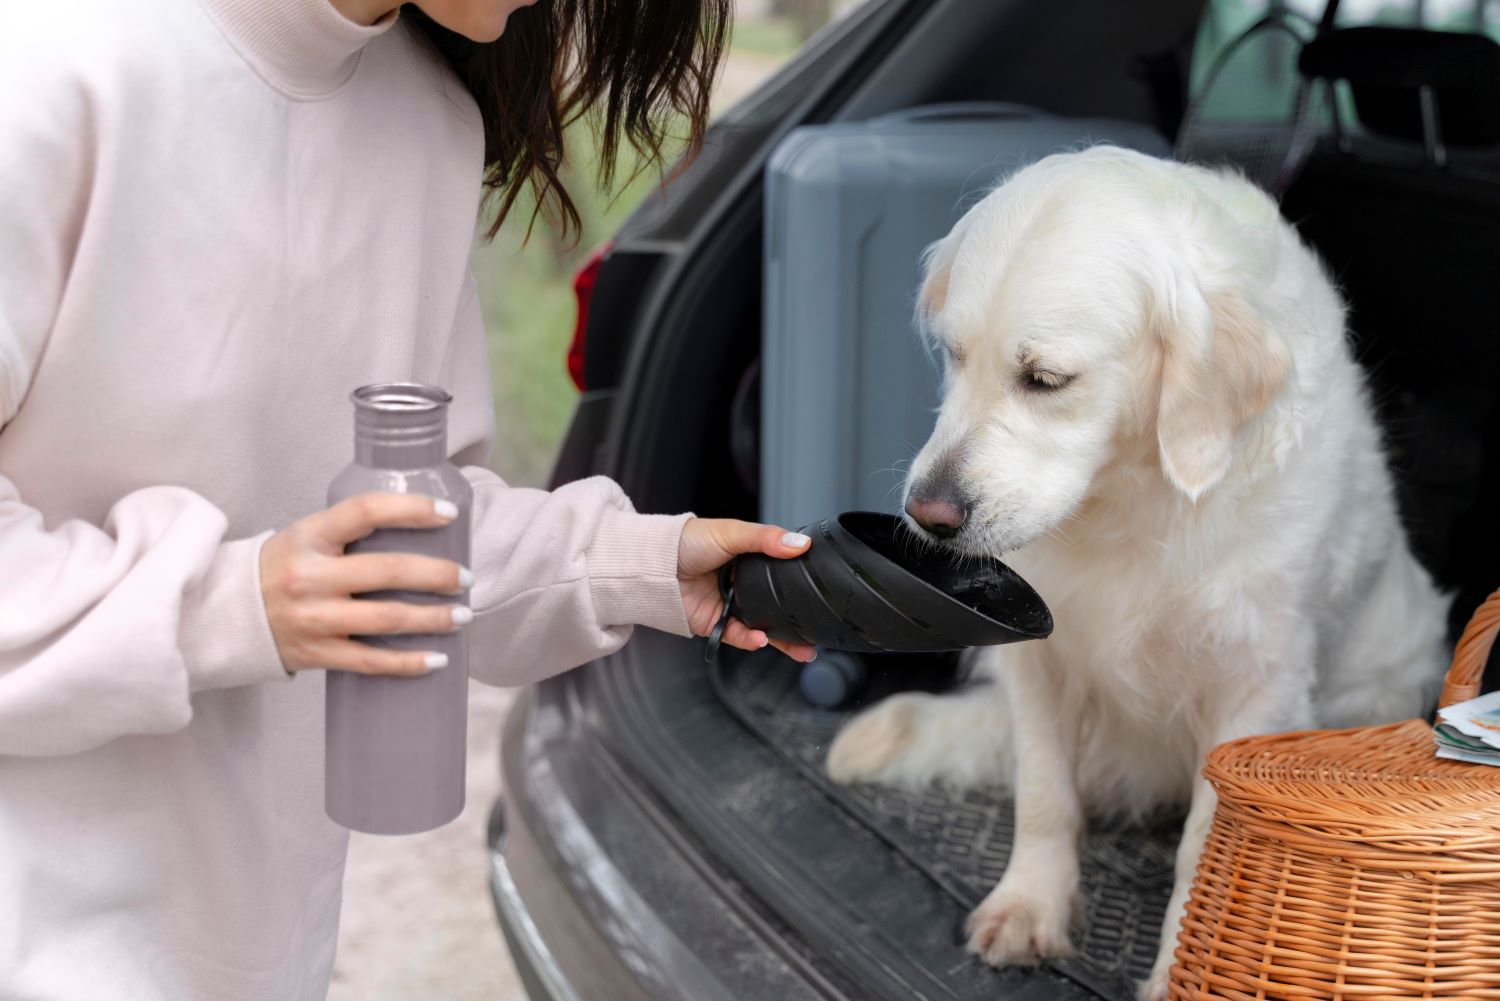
(560, 577)
(105, 630)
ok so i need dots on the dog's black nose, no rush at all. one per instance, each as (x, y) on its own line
(941, 512)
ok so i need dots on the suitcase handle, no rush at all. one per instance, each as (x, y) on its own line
(960, 111)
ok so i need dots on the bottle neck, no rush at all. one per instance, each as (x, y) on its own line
(400, 426)
(385, 454)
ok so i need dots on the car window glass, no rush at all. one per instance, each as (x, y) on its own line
(1256, 79)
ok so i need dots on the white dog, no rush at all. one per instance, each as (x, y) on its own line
(1151, 409)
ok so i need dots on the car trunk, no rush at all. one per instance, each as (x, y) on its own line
(869, 886)
(878, 879)
(872, 885)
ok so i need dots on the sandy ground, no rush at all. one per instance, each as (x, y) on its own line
(417, 919)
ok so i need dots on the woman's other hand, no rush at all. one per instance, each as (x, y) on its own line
(309, 585)
(707, 544)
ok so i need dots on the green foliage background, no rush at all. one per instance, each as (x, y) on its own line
(525, 284)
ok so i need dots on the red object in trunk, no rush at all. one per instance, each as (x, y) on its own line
(583, 288)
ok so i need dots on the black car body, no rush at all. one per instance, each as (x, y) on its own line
(666, 832)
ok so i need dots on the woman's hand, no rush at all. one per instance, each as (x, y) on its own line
(707, 544)
(308, 585)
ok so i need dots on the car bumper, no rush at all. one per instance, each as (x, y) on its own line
(539, 970)
(599, 894)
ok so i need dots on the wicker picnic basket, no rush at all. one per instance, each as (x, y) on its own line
(1348, 864)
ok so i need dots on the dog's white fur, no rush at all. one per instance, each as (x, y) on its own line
(1205, 507)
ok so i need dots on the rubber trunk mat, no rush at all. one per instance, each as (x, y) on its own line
(961, 840)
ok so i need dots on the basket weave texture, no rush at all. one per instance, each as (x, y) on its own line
(1348, 864)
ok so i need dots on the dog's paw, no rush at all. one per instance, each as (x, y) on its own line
(1020, 926)
(1154, 987)
(865, 750)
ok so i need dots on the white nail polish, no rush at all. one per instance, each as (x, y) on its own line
(435, 661)
(795, 540)
(462, 615)
(465, 577)
(445, 509)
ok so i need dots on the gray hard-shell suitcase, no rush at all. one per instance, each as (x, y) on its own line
(848, 393)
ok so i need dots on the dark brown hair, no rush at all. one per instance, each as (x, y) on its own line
(639, 68)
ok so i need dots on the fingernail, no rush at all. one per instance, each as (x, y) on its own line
(795, 540)
(462, 615)
(435, 661)
(465, 577)
(447, 510)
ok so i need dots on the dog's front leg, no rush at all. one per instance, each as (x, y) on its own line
(1189, 850)
(1267, 711)
(1026, 917)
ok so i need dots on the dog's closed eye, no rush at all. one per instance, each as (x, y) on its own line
(1044, 380)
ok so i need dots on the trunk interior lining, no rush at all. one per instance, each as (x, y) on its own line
(960, 839)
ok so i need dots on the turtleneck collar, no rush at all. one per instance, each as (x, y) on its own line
(304, 48)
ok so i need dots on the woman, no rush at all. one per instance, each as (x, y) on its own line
(216, 219)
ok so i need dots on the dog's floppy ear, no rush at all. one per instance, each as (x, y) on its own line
(1221, 367)
(937, 268)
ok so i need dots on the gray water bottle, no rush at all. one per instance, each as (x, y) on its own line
(395, 746)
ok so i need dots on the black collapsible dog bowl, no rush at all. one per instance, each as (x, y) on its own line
(870, 585)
